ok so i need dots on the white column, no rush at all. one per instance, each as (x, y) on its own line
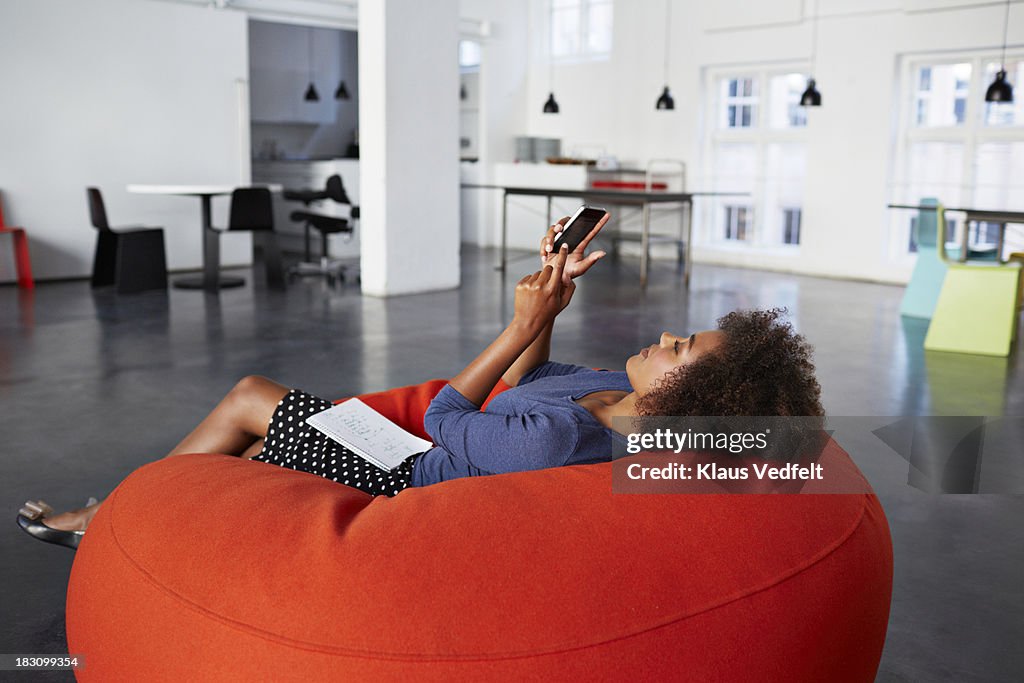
(408, 145)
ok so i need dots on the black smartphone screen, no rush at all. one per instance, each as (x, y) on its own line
(578, 227)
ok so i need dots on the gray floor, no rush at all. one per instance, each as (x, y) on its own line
(95, 385)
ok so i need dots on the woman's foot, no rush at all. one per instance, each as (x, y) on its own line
(36, 518)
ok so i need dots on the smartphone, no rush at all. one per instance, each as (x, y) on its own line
(578, 227)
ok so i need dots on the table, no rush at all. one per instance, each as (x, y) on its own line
(643, 199)
(211, 279)
(974, 216)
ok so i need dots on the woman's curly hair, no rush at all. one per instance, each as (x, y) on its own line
(762, 368)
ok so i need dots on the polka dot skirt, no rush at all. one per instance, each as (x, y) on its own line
(292, 443)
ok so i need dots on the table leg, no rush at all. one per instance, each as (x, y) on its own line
(965, 240)
(549, 209)
(211, 248)
(504, 231)
(645, 243)
(211, 281)
(687, 211)
(1000, 240)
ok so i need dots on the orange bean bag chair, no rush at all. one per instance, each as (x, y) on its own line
(210, 567)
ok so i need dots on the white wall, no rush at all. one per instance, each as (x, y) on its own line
(503, 102)
(850, 152)
(112, 92)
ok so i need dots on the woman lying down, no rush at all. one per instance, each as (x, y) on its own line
(555, 414)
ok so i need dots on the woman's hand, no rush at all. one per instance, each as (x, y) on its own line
(543, 295)
(578, 261)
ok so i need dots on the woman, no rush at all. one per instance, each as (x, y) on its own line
(554, 415)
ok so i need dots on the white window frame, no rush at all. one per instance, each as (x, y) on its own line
(583, 54)
(761, 136)
(971, 134)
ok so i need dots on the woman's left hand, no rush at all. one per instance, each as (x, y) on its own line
(578, 261)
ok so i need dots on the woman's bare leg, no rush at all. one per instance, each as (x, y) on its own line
(237, 426)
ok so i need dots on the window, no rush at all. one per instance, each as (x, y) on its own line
(581, 29)
(739, 96)
(758, 146)
(737, 222)
(941, 95)
(957, 148)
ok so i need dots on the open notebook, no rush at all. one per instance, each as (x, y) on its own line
(368, 434)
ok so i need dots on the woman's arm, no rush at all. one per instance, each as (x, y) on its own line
(577, 263)
(538, 299)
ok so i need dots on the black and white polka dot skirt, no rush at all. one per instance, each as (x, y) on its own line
(292, 443)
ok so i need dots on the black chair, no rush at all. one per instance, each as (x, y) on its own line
(325, 225)
(132, 258)
(252, 210)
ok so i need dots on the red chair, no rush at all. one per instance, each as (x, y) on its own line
(21, 259)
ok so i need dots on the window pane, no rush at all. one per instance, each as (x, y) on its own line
(737, 102)
(734, 170)
(784, 110)
(999, 176)
(784, 174)
(940, 89)
(565, 31)
(934, 169)
(1008, 113)
(469, 53)
(599, 28)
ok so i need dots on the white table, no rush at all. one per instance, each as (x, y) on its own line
(211, 280)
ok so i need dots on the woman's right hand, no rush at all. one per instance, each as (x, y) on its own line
(541, 296)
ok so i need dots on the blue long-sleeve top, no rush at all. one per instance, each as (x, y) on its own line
(535, 425)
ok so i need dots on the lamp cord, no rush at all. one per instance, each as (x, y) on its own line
(814, 39)
(668, 32)
(310, 63)
(1006, 27)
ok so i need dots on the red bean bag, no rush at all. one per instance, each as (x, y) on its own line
(210, 567)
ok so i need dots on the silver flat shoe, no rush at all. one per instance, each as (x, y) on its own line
(30, 519)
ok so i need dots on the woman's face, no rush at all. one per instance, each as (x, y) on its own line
(654, 362)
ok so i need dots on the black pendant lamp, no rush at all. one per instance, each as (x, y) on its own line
(311, 94)
(551, 107)
(665, 101)
(342, 92)
(1001, 90)
(811, 97)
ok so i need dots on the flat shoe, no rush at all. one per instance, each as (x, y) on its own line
(30, 520)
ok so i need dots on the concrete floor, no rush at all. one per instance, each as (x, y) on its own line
(94, 385)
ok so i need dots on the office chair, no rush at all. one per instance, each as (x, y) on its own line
(325, 225)
(132, 258)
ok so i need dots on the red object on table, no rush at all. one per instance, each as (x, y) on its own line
(21, 258)
(212, 567)
(627, 185)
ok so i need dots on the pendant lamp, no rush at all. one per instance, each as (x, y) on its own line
(1001, 90)
(311, 94)
(342, 92)
(811, 97)
(665, 101)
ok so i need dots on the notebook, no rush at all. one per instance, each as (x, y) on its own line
(368, 434)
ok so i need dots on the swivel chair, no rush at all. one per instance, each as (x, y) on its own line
(325, 225)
